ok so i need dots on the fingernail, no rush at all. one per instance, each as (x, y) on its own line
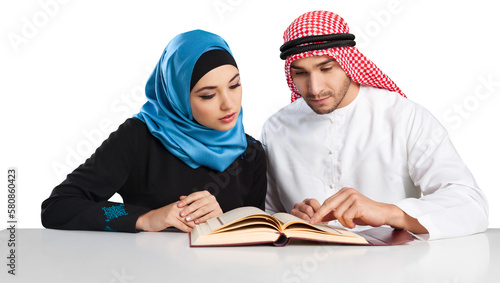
(188, 218)
(180, 204)
(182, 214)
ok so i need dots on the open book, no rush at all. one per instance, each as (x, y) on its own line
(251, 225)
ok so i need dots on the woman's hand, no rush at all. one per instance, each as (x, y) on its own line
(198, 207)
(163, 217)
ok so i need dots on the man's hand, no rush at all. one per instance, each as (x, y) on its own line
(163, 217)
(198, 207)
(351, 208)
(306, 209)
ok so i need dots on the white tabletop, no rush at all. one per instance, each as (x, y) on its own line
(86, 256)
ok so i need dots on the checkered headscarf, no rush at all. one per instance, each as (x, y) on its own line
(359, 68)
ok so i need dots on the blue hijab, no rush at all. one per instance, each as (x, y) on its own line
(167, 113)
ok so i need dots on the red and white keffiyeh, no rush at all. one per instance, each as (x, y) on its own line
(359, 68)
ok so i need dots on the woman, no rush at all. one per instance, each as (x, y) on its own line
(184, 158)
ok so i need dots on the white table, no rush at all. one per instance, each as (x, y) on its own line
(45, 255)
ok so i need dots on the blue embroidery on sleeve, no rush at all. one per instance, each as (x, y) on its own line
(107, 228)
(113, 212)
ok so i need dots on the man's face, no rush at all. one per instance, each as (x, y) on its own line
(321, 81)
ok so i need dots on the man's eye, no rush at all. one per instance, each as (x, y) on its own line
(207, 96)
(326, 69)
(299, 73)
(235, 86)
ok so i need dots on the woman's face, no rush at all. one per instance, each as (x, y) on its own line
(216, 98)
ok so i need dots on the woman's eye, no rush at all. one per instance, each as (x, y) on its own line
(235, 86)
(207, 96)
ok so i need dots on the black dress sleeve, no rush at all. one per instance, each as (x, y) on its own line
(256, 155)
(81, 201)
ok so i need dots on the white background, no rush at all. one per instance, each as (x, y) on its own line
(72, 71)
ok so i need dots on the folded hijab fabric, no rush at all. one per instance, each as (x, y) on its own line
(318, 24)
(167, 112)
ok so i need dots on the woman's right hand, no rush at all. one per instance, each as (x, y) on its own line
(163, 217)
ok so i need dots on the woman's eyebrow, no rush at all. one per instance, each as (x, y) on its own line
(214, 87)
(235, 76)
(204, 88)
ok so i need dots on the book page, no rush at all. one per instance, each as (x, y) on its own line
(286, 218)
(233, 215)
(250, 221)
(336, 230)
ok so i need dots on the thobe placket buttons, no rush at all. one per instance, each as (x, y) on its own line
(337, 119)
(330, 159)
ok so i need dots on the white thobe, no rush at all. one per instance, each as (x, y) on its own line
(385, 146)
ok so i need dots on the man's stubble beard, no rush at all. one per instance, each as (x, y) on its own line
(326, 94)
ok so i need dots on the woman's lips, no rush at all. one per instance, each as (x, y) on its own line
(228, 118)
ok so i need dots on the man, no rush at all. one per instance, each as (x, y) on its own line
(353, 149)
